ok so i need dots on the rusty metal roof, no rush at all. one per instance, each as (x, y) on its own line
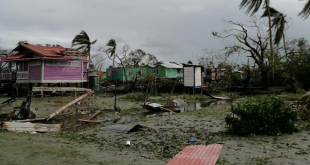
(44, 51)
(197, 155)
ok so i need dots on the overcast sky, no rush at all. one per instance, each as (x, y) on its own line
(173, 30)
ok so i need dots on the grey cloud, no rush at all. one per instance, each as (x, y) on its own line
(172, 30)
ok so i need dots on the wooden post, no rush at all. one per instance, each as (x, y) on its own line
(41, 85)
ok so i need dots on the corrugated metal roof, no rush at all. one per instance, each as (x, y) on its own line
(171, 65)
(197, 155)
(45, 51)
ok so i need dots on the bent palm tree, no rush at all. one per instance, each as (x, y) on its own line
(83, 41)
(305, 13)
(111, 50)
(252, 7)
(278, 23)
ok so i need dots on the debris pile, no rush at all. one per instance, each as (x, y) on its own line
(22, 119)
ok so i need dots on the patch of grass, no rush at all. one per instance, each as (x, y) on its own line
(301, 152)
(134, 97)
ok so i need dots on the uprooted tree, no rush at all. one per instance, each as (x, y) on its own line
(248, 41)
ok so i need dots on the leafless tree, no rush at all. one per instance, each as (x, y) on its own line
(99, 59)
(255, 45)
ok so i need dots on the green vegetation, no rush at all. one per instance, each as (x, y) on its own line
(271, 116)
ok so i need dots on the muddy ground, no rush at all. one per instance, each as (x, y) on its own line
(163, 136)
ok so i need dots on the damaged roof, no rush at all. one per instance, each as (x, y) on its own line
(171, 65)
(43, 51)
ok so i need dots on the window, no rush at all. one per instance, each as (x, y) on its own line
(156, 71)
(139, 72)
(179, 70)
(63, 63)
(36, 62)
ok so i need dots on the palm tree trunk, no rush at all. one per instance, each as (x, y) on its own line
(271, 42)
(114, 74)
(285, 48)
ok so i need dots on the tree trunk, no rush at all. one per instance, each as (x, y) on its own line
(114, 74)
(264, 75)
(285, 48)
(271, 42)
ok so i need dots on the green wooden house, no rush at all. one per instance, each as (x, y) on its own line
(131, 73)
(168, 70)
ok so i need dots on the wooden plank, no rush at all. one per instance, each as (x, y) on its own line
(59, 89)
(95, 114)
(30, 120)
(91, 117)
(68, 105)
(31, 127)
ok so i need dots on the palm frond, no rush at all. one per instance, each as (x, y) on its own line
(93, 42)
(82, 37)
(251, 5)
(278, 23)
(273, 12)
(279, 35)
(305, 13)
(112, 44)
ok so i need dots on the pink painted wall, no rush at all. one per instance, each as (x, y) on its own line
(85, 70)
(34, 72)
(62, 73)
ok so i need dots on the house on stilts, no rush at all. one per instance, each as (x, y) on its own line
(48, 64)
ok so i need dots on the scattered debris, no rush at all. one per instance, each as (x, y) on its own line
(89, 120)
(214, 97)
(122, 128)
(156, 106)
(192, 140)
(8, 101)
(31, 127)
(179, 102)
(127, 143)
(68, 105)
(194, 155)
(59, 89)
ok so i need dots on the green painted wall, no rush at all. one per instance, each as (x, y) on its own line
(132, 73)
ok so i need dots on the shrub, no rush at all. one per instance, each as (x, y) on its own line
(271, 116)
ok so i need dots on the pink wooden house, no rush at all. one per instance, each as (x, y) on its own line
(43, 64)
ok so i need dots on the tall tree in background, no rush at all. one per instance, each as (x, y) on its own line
(305, 13)
(248, 42)
(252, 7)
(82, 40)
(279, 24)
(111, 51)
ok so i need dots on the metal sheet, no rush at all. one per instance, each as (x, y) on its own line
(197, 155)
(122, 128)
(155, 105)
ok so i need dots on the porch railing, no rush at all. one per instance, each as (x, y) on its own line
(22, 75)
(6, 76)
